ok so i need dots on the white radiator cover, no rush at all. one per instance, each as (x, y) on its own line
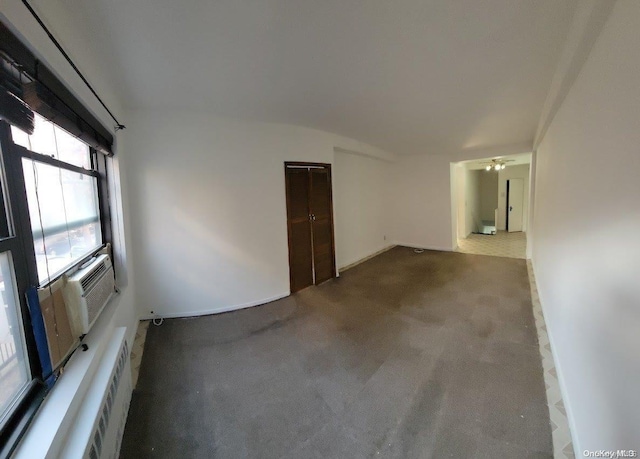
(99, 426)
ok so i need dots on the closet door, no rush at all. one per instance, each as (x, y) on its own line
(320, 206)
(299, 228)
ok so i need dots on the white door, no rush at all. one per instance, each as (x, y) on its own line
(515, 199)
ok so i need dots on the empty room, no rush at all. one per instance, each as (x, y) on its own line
(278, 229)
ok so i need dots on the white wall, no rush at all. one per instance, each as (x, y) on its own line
(361, 206)
(586, 251)
(474, 197)
(472, 201)
(488, 194)
(421, 202)
(459, 209)
(512, 172)
(209, 213)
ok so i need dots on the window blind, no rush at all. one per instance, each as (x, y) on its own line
(27, 84)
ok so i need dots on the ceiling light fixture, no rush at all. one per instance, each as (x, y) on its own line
(496, 165)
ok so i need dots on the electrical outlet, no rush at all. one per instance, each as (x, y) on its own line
(384, 237)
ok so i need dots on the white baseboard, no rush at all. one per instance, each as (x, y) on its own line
(368, 257)
(218, 310)
(564, 392)
(425, 247)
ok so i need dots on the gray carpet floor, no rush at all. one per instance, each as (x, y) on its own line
(430, 355)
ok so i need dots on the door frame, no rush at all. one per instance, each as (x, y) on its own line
(506, 218)
(310, 165)
(506, 227)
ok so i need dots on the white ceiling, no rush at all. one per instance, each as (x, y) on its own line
(408, 76)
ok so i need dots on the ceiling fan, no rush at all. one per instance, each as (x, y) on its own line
(496, 164)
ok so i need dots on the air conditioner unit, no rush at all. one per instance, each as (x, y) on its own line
(87, 292)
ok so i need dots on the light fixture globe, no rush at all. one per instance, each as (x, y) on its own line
(496, 164)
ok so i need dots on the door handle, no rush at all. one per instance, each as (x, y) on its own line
(510, 208)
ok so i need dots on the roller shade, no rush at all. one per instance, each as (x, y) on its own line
(15, 111)
(46, 103)
(28, 80)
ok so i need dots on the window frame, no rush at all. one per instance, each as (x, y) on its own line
(103, 206)
(22, 246)
(23, 411)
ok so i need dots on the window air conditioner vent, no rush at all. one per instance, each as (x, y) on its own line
(88, 280)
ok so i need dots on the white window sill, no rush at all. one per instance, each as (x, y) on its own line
(48, 431)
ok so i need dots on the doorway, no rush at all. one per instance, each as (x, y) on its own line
(490, 205)
(309, 224)
(515, 201)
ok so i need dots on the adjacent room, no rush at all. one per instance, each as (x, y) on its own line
(493, 198)
(285, 229)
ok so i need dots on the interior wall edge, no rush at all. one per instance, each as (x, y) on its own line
(587, 24)
(566, 398)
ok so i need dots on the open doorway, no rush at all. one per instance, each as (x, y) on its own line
(515, 205)
(491, 200)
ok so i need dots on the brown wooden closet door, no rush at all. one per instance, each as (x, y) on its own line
(299, 228)
(322, 224)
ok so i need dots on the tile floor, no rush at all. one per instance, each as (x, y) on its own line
(138, 349)
(562, 444)
(502, 244)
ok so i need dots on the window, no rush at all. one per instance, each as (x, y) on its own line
(53, 216)
(19, 365)
(63, 201)
(51, 140)
(15, 373)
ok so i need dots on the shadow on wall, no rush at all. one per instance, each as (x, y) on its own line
(594, 290)
(197, 256)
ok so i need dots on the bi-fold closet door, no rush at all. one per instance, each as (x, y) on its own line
(309, 224)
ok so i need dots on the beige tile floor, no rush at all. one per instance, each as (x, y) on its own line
(138, 349)
(502, 244)
(561, 435)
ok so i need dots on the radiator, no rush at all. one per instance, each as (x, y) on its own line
(99, 426)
